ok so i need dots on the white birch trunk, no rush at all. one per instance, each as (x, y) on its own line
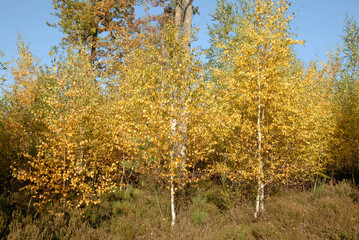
(173, 212)
(260, 191)
(259, 199)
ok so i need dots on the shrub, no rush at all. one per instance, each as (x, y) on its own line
(329, 212)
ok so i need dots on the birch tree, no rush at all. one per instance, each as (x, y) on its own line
(179, 123)
(260, 99)
(345, 150)
(72, 160)
(24, 100)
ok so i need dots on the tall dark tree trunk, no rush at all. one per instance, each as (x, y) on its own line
(187, 23)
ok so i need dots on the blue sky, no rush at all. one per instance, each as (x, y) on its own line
(318, 22)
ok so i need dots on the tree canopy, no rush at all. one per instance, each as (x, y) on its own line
(127, 98)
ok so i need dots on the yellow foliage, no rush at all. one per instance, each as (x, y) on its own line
(259, 112)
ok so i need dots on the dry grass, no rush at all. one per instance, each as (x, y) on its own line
(330, 212)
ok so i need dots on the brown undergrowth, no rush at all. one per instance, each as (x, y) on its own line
(329, 212)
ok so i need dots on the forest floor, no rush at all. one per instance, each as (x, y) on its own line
(331, 211)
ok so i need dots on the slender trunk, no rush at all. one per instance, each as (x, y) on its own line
(259, 200)
(183, 15)
(173, 157)
(173, 212)
(64, 173)
(80, 165)
(123, 171)
(260, 191)
(315, 183)
(173, 122)
(353, 175)
(182, 146)
(93, 49)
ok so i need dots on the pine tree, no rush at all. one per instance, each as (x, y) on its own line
(95, 24)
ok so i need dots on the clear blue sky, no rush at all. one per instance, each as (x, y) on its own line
(318, 22)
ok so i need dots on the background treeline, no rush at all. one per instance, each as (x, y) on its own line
(127, 115)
